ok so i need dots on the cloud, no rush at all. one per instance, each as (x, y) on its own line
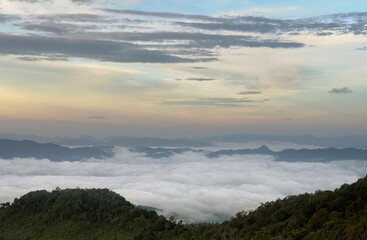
(128, 38)
(7, 18)
(190, 23)
(39, 1)
(231, 26)
(93, 49)
(324, 34)
(199, 68)
(161, 14)
(260, 11)
(45, 58)
(194, 41)
(82, 1)
(97, 117)
(218, 102)
(343, 90)
(69, 18)
(230, 100)
(190, 185)
(31, 1)
(200, 79)
(342, 23)
(249, 92)
(58, 28)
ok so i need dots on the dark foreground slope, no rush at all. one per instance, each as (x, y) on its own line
(324, 215)
(102, 214)
(79, 214)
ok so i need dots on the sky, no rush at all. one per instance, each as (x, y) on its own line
(183, 68)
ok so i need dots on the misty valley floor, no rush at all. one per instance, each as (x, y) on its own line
(188, 185)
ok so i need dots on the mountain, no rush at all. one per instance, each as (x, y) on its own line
(321, 155)
(29, 149)
(302, 155)
(78, 214)
(124, 141)
(323, 215)
(161, 152)
(158, 142)
(14, 136)
(355, 141)
(127, 141)
(264, 150)
(287, 155)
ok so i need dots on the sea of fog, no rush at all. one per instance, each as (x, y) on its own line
(190, 186)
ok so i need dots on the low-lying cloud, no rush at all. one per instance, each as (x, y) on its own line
(97, 117)
(218, 102)
(343, 90)
(249, 93)
(82, 1)
(188, 185)
(200, 79)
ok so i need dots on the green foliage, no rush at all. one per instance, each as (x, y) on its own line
(102, 214)
(79, 214)
(324, 215)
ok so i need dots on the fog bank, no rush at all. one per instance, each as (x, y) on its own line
(188, 185)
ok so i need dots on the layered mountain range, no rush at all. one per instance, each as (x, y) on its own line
(10, 149)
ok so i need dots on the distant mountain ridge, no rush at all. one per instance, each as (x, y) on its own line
(29, 149)
(161, 152)
(321, 155)
(353, 141)
(301, 155)
(124, 141)
(288, 155)
(263, 150)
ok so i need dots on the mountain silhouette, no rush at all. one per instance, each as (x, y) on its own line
(29, 149)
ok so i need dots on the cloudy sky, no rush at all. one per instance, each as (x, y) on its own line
(183, 68)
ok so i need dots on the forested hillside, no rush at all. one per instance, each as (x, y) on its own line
(339, 214)
(79, 214)
(102, 214)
